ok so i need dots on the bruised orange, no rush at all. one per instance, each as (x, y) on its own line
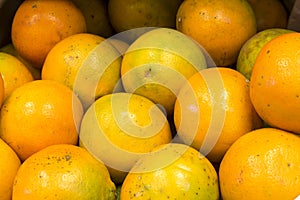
(274, 85)
(38, 25)
(38, 114)
(220, 26)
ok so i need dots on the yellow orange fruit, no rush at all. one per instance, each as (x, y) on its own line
(157, 64)
(38, 114)
(171, 171)
(129, 14)
(213, 109)
(86, 63)
(14, 73)
(2, 92)
(220, 26)
(9, 165)
(95, 13)
(269, 14)
(119, 128)
(252, 47)
(274, 88)
(63, 172)
(38, 25)
(10, 49)
(262, 164)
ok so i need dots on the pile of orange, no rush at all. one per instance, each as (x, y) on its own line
(127, 99)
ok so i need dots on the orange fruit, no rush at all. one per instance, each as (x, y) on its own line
(220, 26)
(119, 128)
(171, 171)
(252, 47)
(10, 49)
(129, 14)
(269, 14)
(274, 86)
(38, 114)
(38, 25)
(63, 172)
(213, 109)
(86, 63)
(2, 92)
(14, 73)
(262, 164)
(96, 15)
(157, 64)
(9, 165)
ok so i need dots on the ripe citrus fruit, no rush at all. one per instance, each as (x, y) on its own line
(63, 171)
(171, 171)
(274, 86)
(38, 25)
(2, 92)
(269, 14)
(157, 64)
(129, 14)
(38, 114)
(14, 73)
(118, 128)
(10, 49)
(95, 13)
(213, 109)
(86, 63)
(9, 165)
(252, 46)
(220, 26)
(262, 164)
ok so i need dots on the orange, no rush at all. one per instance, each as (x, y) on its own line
(2, 92)
(129, 14)
(38, 25)
(263, 164)
(96, 15)
(252, 47)
(157, 64)
(9, 165)
(274, 86)
(14, 73)
(119, 128)
(10, 49)
(38, 114)
(63, 172)
(213, 109)
(220, 26)
(171, 171)
(86, 63)
(269, 14)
